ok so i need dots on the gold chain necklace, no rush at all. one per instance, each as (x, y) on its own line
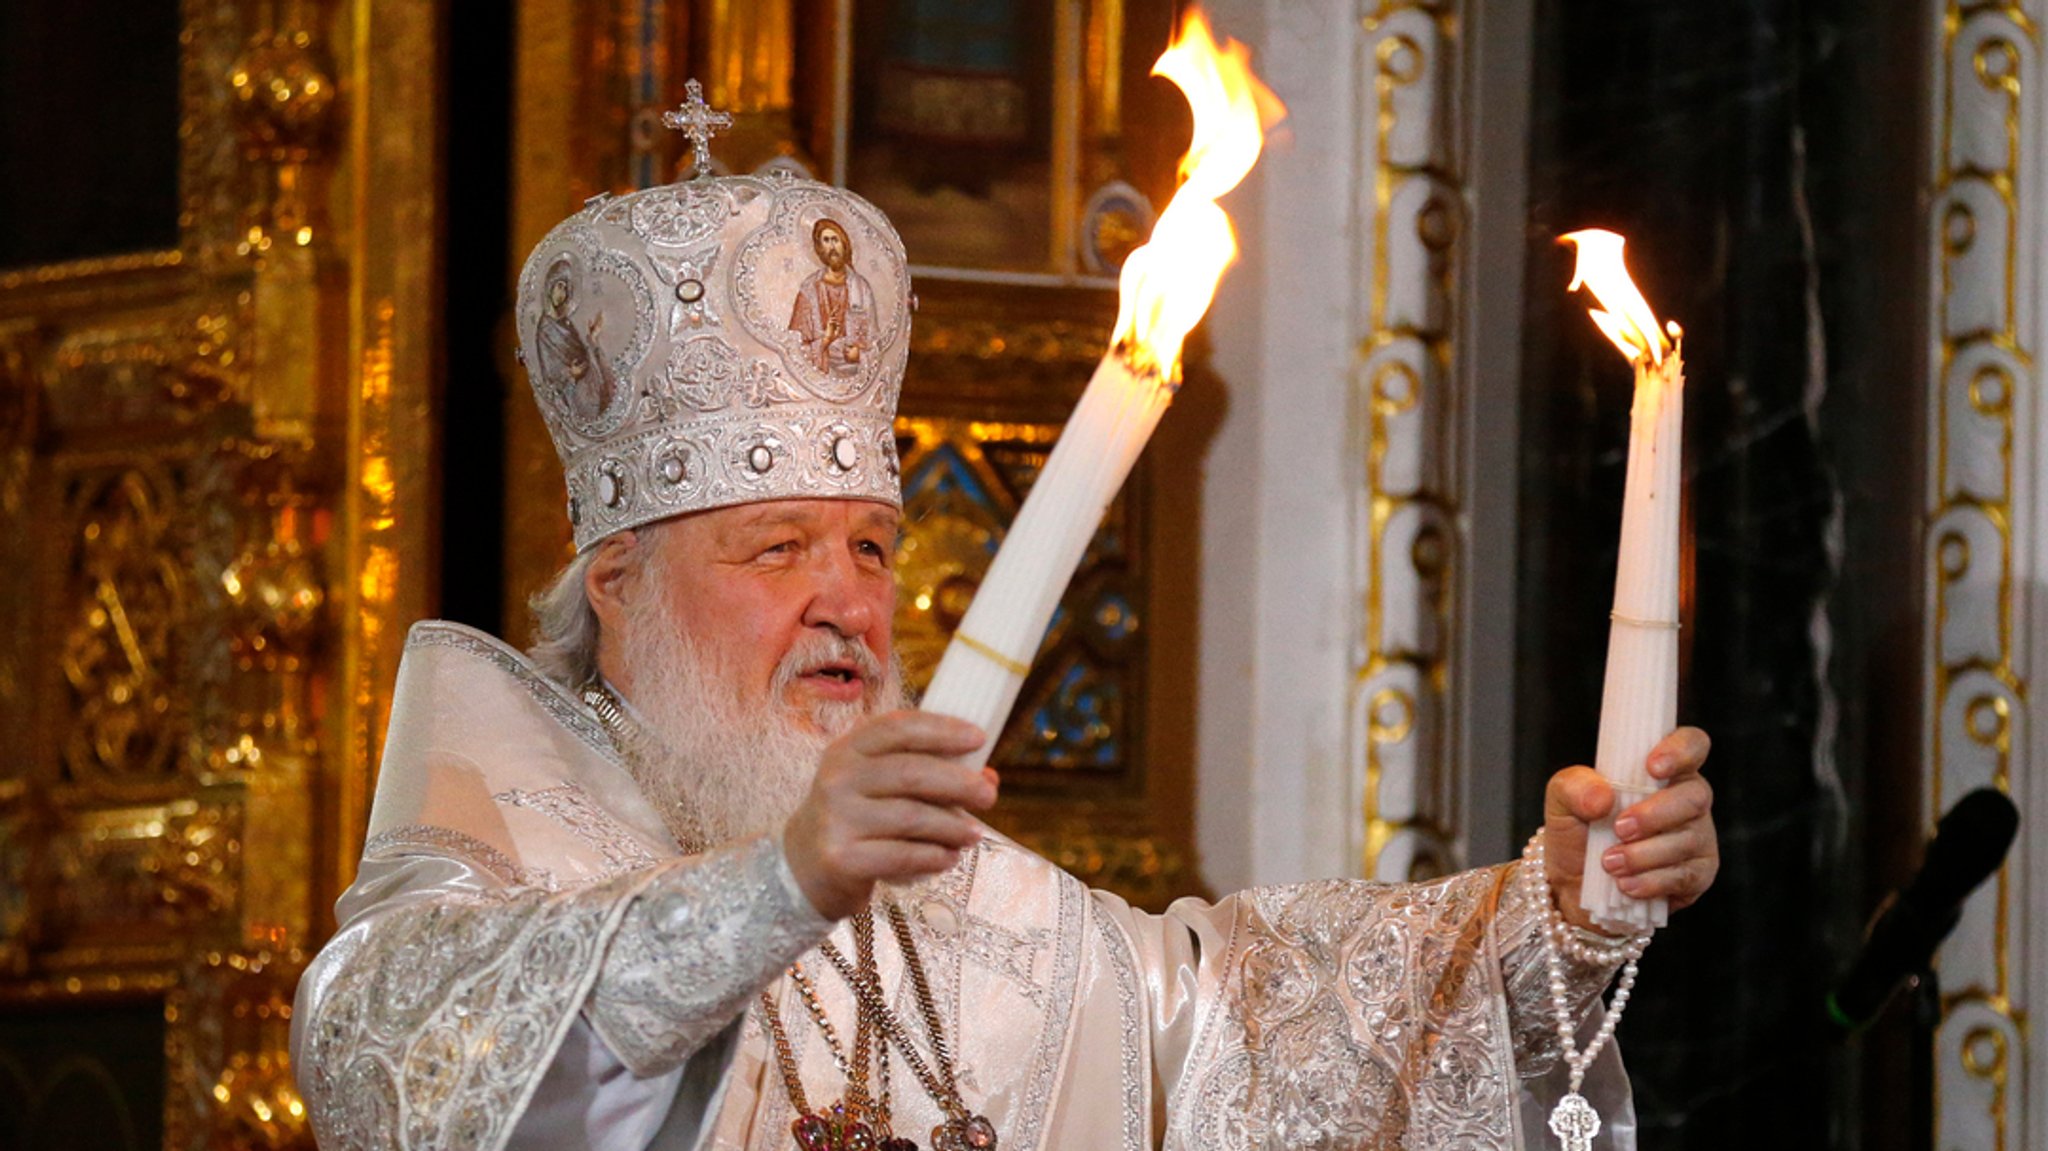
(963, 1130)
(857, 1122)
(846, 1126)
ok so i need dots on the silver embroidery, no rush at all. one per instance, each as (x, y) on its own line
(797, 438)
(681, 215)
(1118, 951)
(990, 870)
(944, 958)
(1011, 954)
(1284, 1065)
(687, 279)
(1063, 980)
(434, 1033)
(570, 807)
(551, 696)
(704, 374)
(693, 950)
(429, 839)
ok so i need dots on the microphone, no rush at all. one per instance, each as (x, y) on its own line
(1969, 844)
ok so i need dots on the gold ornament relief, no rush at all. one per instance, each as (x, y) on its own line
(127, 594)
(1142, 868)
(282, 95)
(1404, 361)
(172, 458)
(231, 1017)
(196, 861)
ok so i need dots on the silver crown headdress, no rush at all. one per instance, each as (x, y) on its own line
(722, 340)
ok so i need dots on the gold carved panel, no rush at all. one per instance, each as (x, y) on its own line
(213, 517)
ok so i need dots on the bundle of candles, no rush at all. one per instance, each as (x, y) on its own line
(1164, 289)
(1639, 703)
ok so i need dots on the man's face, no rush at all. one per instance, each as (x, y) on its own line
(832, 248)
(753, 584)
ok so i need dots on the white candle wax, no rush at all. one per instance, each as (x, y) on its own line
(983, 668)
(1639, 705)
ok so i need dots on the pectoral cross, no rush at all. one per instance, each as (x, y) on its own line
(698, 121)
(1574, 1122)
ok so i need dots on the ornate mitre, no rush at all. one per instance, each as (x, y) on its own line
(718, 341)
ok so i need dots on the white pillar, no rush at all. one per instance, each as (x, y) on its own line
(1275, 612)
(1357, 600)
(1987, 548)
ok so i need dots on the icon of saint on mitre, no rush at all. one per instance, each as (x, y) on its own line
(833, 315)
(572, 366)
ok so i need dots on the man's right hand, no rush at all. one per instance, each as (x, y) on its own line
(888, 804)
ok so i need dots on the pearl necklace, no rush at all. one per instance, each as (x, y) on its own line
(1574, 1121)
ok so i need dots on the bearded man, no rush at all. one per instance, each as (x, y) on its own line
(688, 875)
(830, 314)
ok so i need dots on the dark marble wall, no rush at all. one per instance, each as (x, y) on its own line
(1763, 157)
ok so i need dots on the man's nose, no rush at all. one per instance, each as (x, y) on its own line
(840, 597)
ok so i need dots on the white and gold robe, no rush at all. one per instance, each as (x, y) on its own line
(526, 961)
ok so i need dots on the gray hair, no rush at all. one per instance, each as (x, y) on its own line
(565, 626)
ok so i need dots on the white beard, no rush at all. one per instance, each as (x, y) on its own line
(718, 767)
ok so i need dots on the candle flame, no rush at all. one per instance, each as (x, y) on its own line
(1623, 315)
(1168, 283)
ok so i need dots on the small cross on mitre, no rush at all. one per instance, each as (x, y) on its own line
(699, 121)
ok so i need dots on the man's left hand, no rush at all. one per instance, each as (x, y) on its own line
(1668, 847)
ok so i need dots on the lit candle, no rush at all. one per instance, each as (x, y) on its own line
(1639, 704)
(1165, 288)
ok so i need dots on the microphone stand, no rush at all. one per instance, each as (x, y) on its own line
(1926, 1017)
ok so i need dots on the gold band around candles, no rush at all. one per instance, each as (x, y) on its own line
(1666, 624)
(1014, 667)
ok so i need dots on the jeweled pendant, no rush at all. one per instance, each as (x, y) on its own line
(837, 1128)
(811, 1133)
(973, 1133)
(1574, 1122)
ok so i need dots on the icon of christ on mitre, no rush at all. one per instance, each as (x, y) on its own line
(833, 304)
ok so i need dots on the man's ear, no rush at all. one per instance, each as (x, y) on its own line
(608, 581)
